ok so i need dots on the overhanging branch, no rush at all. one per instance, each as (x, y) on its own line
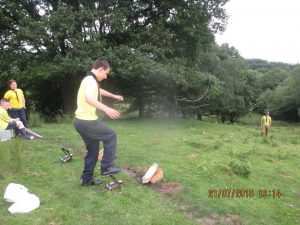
(192, 100)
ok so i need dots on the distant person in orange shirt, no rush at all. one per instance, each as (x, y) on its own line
(266, 123)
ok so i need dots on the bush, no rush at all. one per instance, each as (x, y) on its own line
(239, 168)
(63, 118)
(35, 119)
(218, 145)
(251, 119)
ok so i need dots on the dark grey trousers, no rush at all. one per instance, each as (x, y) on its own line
(18, 113)
(92, 132)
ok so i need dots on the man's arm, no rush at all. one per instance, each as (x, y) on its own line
(13, 120)
(110, 95)
(24, 103)
(112, 113)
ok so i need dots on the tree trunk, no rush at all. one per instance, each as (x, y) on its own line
(171, 112)
(199, 115)
(223, 118)
(69, 91)
(141, 107)
(232, 119)
(184, 114)
(171, 106)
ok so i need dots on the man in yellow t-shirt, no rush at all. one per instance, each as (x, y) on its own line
(266, 123)
(17, 101)
(93, 130)
(7, 123)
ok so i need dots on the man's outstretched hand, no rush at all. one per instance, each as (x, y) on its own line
(112, 113)
(119, 97)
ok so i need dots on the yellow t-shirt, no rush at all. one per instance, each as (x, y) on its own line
(84, 110)
(16, 98)
(266, 120)
(4, 118)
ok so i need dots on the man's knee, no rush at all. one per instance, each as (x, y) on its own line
(114, 133)
(113, 136)
(20, 124)
(111, 139)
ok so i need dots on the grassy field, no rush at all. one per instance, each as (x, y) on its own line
(213, 174)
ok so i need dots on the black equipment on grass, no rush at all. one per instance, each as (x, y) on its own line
(114, 183)
(67, 157)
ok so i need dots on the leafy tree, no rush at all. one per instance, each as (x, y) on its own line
(283, 101)
(230, 105)
(138, 76)
(271, 78)
(55, 41)
(253, 88)
(234, 96)
(264, 65)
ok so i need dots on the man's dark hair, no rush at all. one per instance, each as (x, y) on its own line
(101, 63)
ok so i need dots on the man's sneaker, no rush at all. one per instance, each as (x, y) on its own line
(91, 182)
(28, 137)
(110, 171)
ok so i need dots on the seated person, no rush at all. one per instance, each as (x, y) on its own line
(7, 123)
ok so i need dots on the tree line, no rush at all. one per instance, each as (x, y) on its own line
(163, 55)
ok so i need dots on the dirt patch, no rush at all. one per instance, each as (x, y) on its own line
(234, 220)
(167, 187)
(208, 220)
(285, 175)
(214, 219)
(137, 173)
(160, 187)
(193, 155)
(53, 223)
(80, 154)
(155, 142)
(35, 174)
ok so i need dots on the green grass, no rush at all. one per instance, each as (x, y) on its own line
(196, 155)
(36, 119)
(10, 158)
